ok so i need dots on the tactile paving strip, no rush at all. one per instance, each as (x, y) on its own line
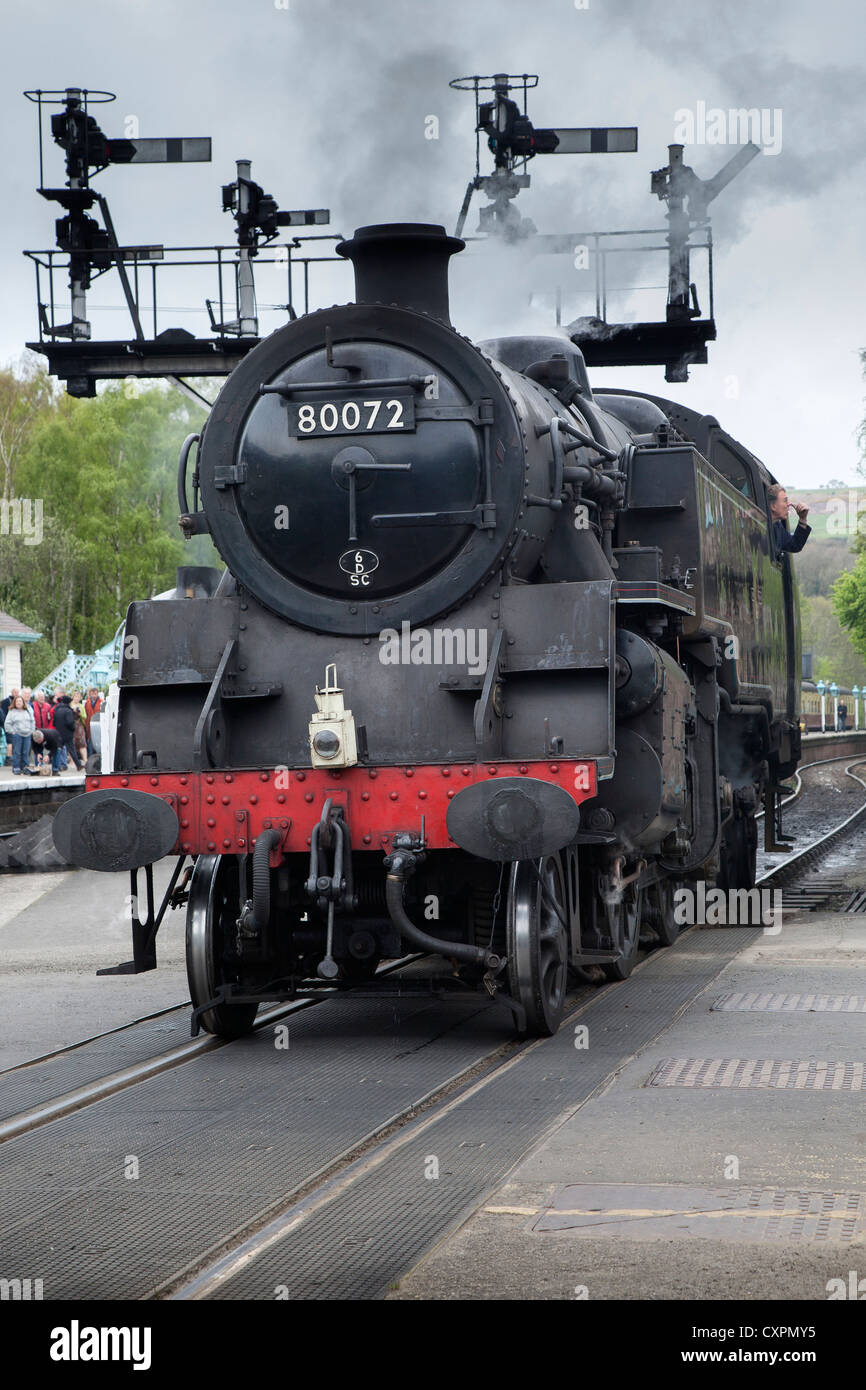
(730, 1213)
(765, 1001)
(722, 1073)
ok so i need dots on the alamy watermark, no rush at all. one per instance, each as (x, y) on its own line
(22, 516)
(714, 125)
(438, 646)
(732, 907)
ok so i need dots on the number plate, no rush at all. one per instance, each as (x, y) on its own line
(357, 415)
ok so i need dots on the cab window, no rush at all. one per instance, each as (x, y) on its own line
(734, 468)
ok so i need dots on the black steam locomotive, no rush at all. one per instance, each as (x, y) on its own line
(496, 662)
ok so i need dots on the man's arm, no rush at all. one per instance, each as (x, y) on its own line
(799, 538)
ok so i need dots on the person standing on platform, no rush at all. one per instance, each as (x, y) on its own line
(20, 725)
(79, 734)
(64, 723)
(92, 708)
(42, 720)
(841, 717)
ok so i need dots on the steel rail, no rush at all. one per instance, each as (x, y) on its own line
(109, 1085)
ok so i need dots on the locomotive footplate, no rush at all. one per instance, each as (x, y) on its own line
(224, 812)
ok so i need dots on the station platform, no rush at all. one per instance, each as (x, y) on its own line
(713, 1150)
(26, 798)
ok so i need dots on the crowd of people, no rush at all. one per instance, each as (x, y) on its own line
(38, 731)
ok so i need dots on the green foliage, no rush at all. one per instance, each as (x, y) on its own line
(836, 656)
(105, 471)
(849, 603)
(849, 590)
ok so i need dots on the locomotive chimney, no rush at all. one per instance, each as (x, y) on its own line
(403, 263)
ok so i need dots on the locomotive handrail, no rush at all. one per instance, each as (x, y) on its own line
(558, 454)
(389, 382)
(185, 448)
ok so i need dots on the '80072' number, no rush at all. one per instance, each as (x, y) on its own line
(353, 417)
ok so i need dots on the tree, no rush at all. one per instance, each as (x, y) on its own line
(104, 473)
(835, 656)
(25, 395)
(849, 591)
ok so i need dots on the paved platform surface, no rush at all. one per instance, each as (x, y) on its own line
(708, 1190)
(56, 931)
(10, 783)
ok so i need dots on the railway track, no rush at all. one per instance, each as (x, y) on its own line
(230, 1190)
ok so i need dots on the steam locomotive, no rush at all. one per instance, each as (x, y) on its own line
(496, 662)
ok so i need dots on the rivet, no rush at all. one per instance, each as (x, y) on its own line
(227, 844)
(409, 771)
(228, 778)
(523, 767)
(393, 795)
(124, 781)
(242, 842)
(301, 776)
(95, 781)
(244, 607)
(211, 822)
(184, 801)
(242, 666)
(226, 800)
(422, 795)
(184, 825)
(183, 781)
(254, 800)
(365, 796)
(492, 771)
(281, 796)
(209, 779)
(367, 839)
(187, 845)
(210, 798)
(211, 845)
(373, 774)
(554, 767)
(308, 796)
(263, 776)
(466, 771)
(446, 772)
(450, 793)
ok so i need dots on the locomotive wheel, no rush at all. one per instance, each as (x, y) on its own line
(211, 916)
(623, 920)
(537, 942)
(660, 915)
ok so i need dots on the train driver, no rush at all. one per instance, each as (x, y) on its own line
(779, 508)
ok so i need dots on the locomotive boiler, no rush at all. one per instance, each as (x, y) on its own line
(495, 663)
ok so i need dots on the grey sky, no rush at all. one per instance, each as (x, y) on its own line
(329, 99)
